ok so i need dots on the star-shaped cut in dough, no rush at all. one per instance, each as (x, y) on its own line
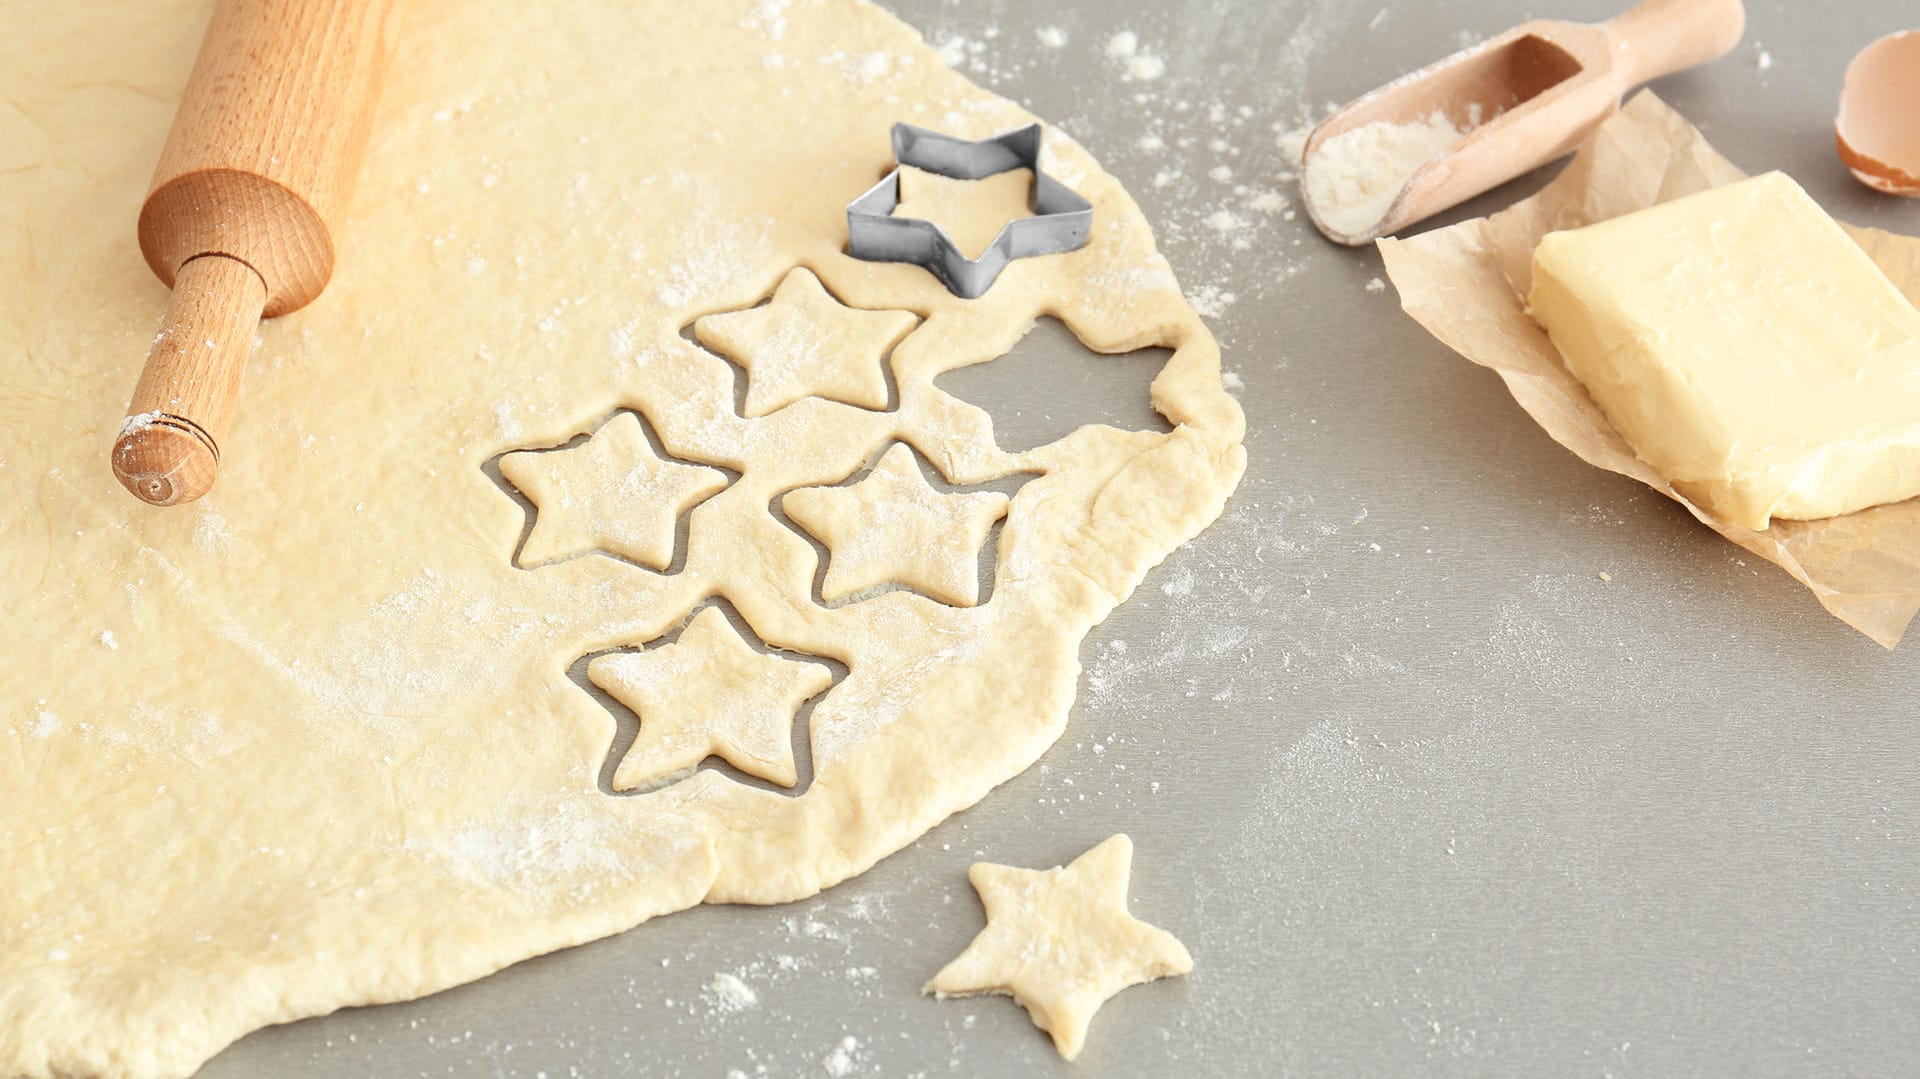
(1060, 941)
(805, 343)
(893, 526)
(973, 212)
(709, 693)
(610, 493)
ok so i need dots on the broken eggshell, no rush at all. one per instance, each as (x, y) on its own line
(1878, 128)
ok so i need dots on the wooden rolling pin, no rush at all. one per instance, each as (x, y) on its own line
(243, 212)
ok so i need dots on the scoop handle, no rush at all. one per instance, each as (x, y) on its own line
(1660, 37)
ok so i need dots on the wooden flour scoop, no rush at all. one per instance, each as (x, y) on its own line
(241, 216)
(1540, 88)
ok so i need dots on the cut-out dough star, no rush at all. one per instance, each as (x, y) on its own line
(610, 493)
(972, 211)
(805, 343)
(1060, 941)
(709, 694)
(894, 527)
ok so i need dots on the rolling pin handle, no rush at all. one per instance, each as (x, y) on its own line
(168, 451)
(240, 219)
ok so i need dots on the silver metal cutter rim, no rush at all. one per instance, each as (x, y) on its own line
(1062, 218)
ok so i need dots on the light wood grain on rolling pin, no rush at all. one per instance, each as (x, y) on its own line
(252, 182)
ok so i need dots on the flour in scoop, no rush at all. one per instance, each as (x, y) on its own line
(1354, 176)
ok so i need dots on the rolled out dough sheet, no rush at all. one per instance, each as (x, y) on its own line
(311, 742)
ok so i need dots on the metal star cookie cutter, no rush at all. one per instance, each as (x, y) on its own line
(1061, 222)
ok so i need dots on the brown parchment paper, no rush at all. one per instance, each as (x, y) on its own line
(1467, 285)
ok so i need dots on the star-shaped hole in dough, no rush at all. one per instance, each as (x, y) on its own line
(1060, 941)
(971, 211)
(805, 343)
(893, 527)
(610, 493)
(709, 694)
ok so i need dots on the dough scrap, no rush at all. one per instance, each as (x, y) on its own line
(333, 699)
(805, 343)
(1060, 941)
(610, 493)
(709, 694)
(892, 526)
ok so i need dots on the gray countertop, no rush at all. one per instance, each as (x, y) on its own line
(1423, 791)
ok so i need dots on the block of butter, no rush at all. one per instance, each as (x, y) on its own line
(1746, 348)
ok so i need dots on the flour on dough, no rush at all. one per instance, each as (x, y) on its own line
(709, 694)
(1060, 941)
(609, 493)
(352, 702)
(805, 343)
(892, 526)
